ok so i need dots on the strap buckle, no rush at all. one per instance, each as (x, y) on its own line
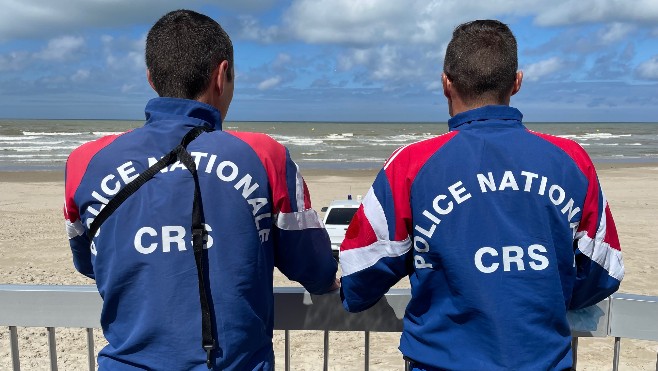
(209, 348)
(197, 236)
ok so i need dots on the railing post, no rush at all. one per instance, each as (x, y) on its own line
(286, 362)
(13, 340)
(615, 360)
(52, 345)
(574, 351)
(366, 367)
(326, 351)
(91, 354)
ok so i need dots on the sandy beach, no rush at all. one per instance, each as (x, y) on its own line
(34, 250)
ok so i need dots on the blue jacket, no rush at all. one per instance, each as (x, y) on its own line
(257, 213)
(501, 230)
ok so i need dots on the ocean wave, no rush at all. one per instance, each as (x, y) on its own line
(18, 139)
(35, 143)
(106, 133)
(402, 138)
(339, 137)
(30, 133)
(363, 159)
(37, 149)
(297, 141)
(594, 136)
(40, 155)
(38, 160)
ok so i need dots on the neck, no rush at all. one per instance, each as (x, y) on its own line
(458, 105)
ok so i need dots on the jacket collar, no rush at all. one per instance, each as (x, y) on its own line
(487, 113)
(175, 108)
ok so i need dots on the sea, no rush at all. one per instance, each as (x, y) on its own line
(38, 145)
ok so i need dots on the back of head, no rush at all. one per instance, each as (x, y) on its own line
(182, 50)
(481, 61)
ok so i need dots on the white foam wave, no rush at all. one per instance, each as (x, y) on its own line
(60, 155)
(594, 136)
(297, 141)
(339, 137)
(18, 139)
(39, 160)
(35, 143)
(37, 149)
(106, 133)
(403, 138)
(30, 133)
(324, 159)
(364, 159)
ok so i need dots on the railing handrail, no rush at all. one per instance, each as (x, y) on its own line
(622, 315)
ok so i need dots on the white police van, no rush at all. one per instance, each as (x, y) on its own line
(337, 216)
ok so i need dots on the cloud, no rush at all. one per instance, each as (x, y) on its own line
(250, 28)
(568, 12)
(80, 75)
(648, 69)
(269, 83)
(536, 71)
(61, 48)
(21, 19)
(14, 61)
(615, 32)
(613, 64)
(124, 53)
(367, 21)
(419, 21)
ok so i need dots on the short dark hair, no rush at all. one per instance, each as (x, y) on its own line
(182, 50)
(481, 61)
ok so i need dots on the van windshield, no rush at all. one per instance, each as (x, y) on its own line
(341, 215)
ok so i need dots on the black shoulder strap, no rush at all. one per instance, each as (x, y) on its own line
(181, 154)
(144, 177)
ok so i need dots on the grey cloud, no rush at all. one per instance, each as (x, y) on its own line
(21, 19)
(613, 65)
(648, 69)
(566, 12)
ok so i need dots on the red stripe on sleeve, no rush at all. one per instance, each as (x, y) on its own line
(76, 167)
(359, 233)
(591, 214)
(401, 170)
(272, 155)
(307, 196)
(611, 237)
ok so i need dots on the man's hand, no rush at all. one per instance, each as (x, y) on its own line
(335, 286)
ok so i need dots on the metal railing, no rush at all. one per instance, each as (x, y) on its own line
(620, 316)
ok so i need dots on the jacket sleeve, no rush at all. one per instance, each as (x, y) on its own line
(302, 249)
(375, 254)
(598, 258)
(78, 240)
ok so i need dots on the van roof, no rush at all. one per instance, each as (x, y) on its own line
(345, 203)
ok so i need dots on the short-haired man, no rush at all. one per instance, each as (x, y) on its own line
(501, 230)
(184, 259)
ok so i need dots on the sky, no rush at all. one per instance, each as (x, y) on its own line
(333, 60)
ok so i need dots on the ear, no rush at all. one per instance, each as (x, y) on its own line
(518, 80)
(150, 80)
(222, 77)
(447, 86)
